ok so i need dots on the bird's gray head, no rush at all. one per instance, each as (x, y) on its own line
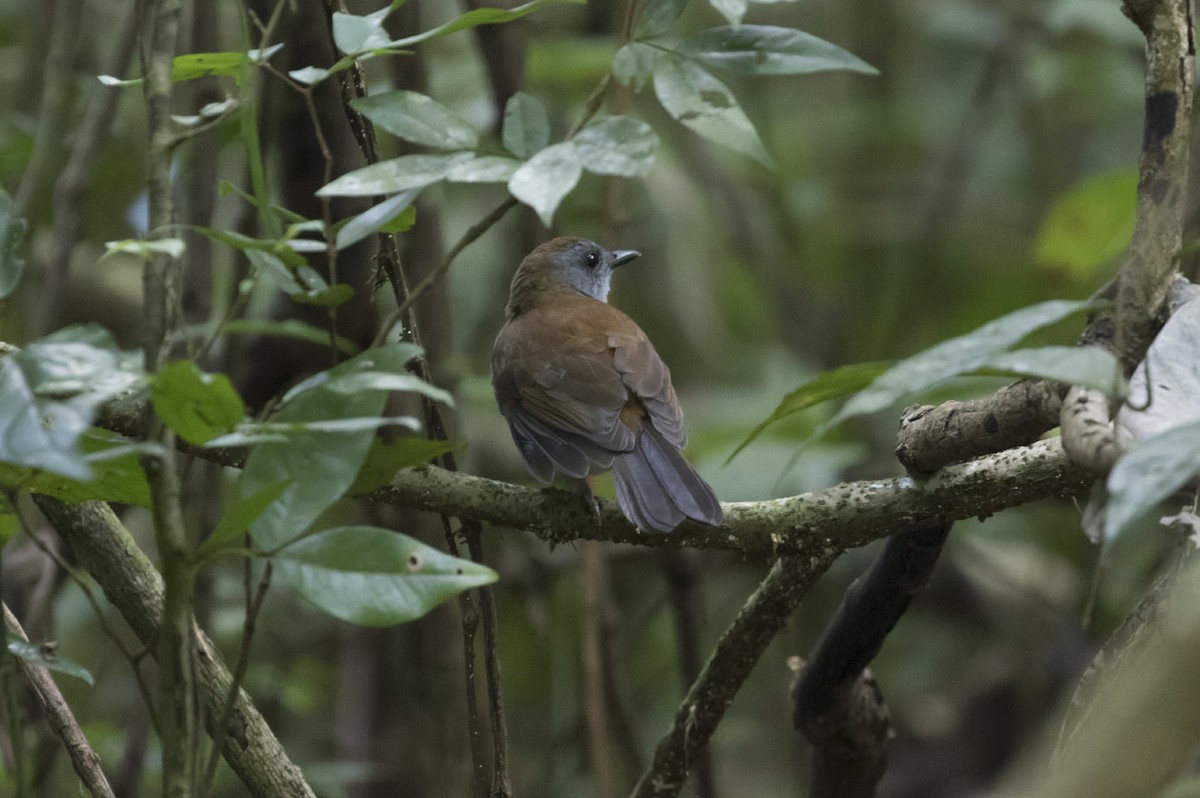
(586, 265)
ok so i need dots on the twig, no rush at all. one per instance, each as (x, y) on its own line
(60, 718)
(736, 654)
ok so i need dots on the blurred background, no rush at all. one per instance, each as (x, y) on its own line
(991, 164)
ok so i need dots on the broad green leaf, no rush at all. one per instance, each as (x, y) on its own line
(732, 10)
(374, 381)
(289, 328)
(117, 475)
(1166, 384)
(309, 75)
(375, 577)
(483, 169)
(633, 64)
(706, 105)
(44, 654)
(304, 284)
(198, 406)
(617, 145)
(545, 179)
(1151, 472)
(401, 352)
(658, 17)
(1089, 366)
(1091, 224)
(375, 218)
(253, 432)
(417, 118)
(355, 34)
(12, 261)
(770, 50)
(398, 174)
(385, 459)
(49, 393)
(526, 128)
(828, 385)
(240, 512)
(957, 356)
(321, 464)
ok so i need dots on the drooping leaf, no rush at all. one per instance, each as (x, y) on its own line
(1089, 366)
(12, 233)
(658, 17)
(49, 393)
(693, 96)
(526, 128)
(198, 406)
(483, 169)
(1152, 471)
(321, 465)
(770, 50)
(375, 577)
(116, 474)
(732, 10)
(254, 432)
(1091, 224)
(375, 218)
(201, 65)
(828, 385)
(956, 356)
(397, 174)
(365, 379)
(355, 34)
(45, 655)
(617, 145)
(633, 64)
(385, 459)
(399, 352)
(418, 118)
(240, 512)
(545, 179)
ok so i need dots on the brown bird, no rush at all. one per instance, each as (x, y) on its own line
(584, 392)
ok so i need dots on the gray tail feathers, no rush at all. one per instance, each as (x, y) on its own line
(657, 489)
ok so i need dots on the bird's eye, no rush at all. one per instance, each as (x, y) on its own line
(592, 260)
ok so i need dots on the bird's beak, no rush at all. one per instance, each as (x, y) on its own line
(622, 256)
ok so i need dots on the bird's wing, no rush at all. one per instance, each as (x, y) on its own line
(645, 374)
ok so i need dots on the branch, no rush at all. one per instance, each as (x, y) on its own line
(105, 549)
(60, 718)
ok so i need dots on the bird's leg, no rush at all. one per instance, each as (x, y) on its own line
(584, 488)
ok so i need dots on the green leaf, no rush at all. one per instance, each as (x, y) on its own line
(770, 50)
(355, 34)
(117, 475)
(1090, 366)
(828, 385)
(253, 432)
(545, 179)
(658, 17)
(480, 16)
(304, 284)
(401, 352)
(289, 328)
(417, 118)
(309, 75)
(1091, 224)
(732, 10)
(372, 381)
(239, 514)
(321, 464)
(706, 105)
(955, 357)
(49, 393)
(375, 577)
(484, 169)
(198, 406)
(375, 218)
(173, 247)
(398, 174)
(1150, 473)
(634, 63)
(385, 459)
(526, 128)
(617, 145)
(224, 188)
(12, 261)
(44, 655)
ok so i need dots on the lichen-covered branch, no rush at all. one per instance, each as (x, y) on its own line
(105, 549)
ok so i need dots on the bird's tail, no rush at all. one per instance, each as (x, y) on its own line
(657, 489)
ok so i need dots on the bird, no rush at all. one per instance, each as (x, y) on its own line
(584, 391)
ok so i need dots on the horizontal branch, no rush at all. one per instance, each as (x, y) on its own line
(845, 515)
